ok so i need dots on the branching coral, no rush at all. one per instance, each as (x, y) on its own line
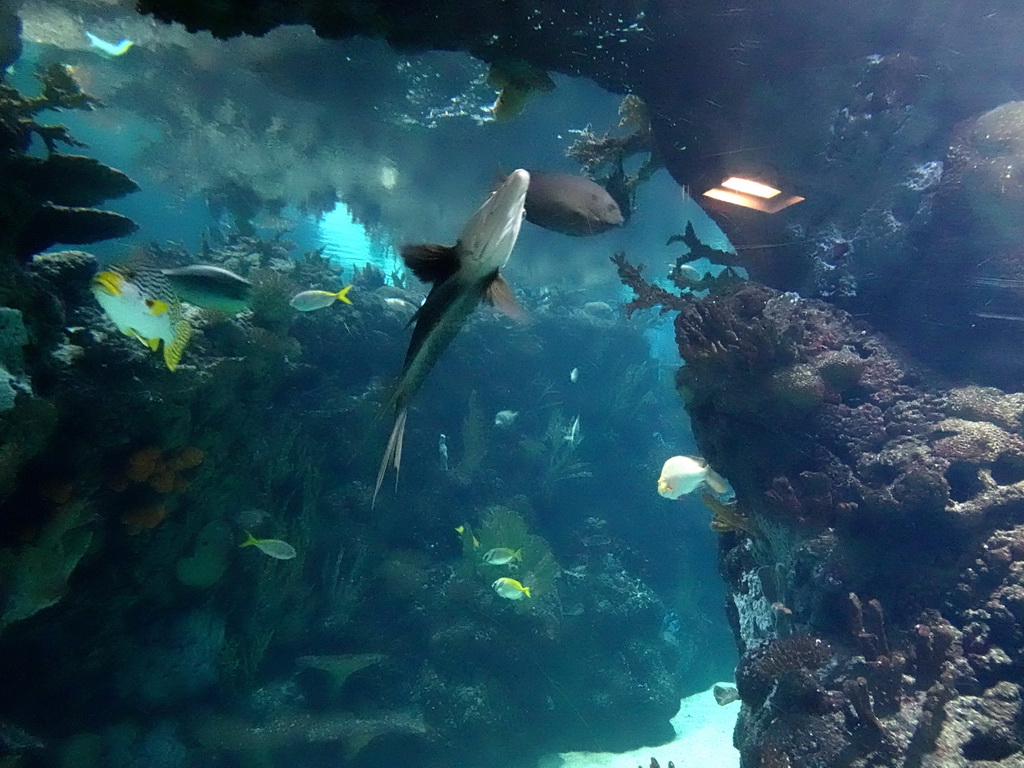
(557, 453)
(727, 517)
(648, 295)
(604, 156)
(45, 197)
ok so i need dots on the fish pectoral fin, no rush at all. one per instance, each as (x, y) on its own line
(431, 263)
(174, 350)
(393, 452)
(157, 307)
(153, 343)
(499, 295)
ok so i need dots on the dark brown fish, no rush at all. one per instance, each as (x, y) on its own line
(572, 205)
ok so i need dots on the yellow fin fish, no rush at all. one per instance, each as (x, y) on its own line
(307, 301)
(510, 589)
(139, 300)
(275, 548)
(502, 556)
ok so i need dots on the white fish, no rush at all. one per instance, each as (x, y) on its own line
(111, 49)
(442, 450)
(574, 375)
(684, 474)
(505, 419)
(502, 556)
(572, 434)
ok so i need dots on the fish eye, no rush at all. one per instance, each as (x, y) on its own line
(149, 302)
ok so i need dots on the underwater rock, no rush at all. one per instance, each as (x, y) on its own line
(49, 200)
(985, 159)
(52, 224)
(352, 733)
(882, 492)
(174, 659)
(34, 576)
(69, 180)
(10, 34)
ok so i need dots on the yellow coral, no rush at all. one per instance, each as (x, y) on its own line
(726, 517)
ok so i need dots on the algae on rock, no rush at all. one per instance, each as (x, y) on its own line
(35, 576)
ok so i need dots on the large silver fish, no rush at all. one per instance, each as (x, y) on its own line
(462, 275)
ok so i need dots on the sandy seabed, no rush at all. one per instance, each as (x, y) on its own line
(703, 740)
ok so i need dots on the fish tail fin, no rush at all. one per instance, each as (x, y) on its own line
(342, 295)
(393, 452)
(518, 555)
(716, 481)
(526, 591)
(250, 540)
(174, 350)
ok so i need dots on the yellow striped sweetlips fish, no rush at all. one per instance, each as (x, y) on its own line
(139, 299)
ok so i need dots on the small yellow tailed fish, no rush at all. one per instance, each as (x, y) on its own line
(510, 589)
(469, 541)
(307, 301)
(502, 556)
(277, 549)
(138, 298)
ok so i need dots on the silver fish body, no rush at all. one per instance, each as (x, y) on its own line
(462, 276)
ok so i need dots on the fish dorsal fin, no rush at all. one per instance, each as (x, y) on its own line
(431, 263)
(174, 350)
(499, 295)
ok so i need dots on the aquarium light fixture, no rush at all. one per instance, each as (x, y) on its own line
(751, 194)
(751, 187)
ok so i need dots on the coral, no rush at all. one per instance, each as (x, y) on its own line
(174, 659)
(272, 292)
(557, 453)
(727, 517)
(209, 559)
(35, 576)
(50, 200)
(604, 157)
(504, 527)
(13, 337)
(159, 469)
(647, 295)
(144, 518)
(761, 668)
